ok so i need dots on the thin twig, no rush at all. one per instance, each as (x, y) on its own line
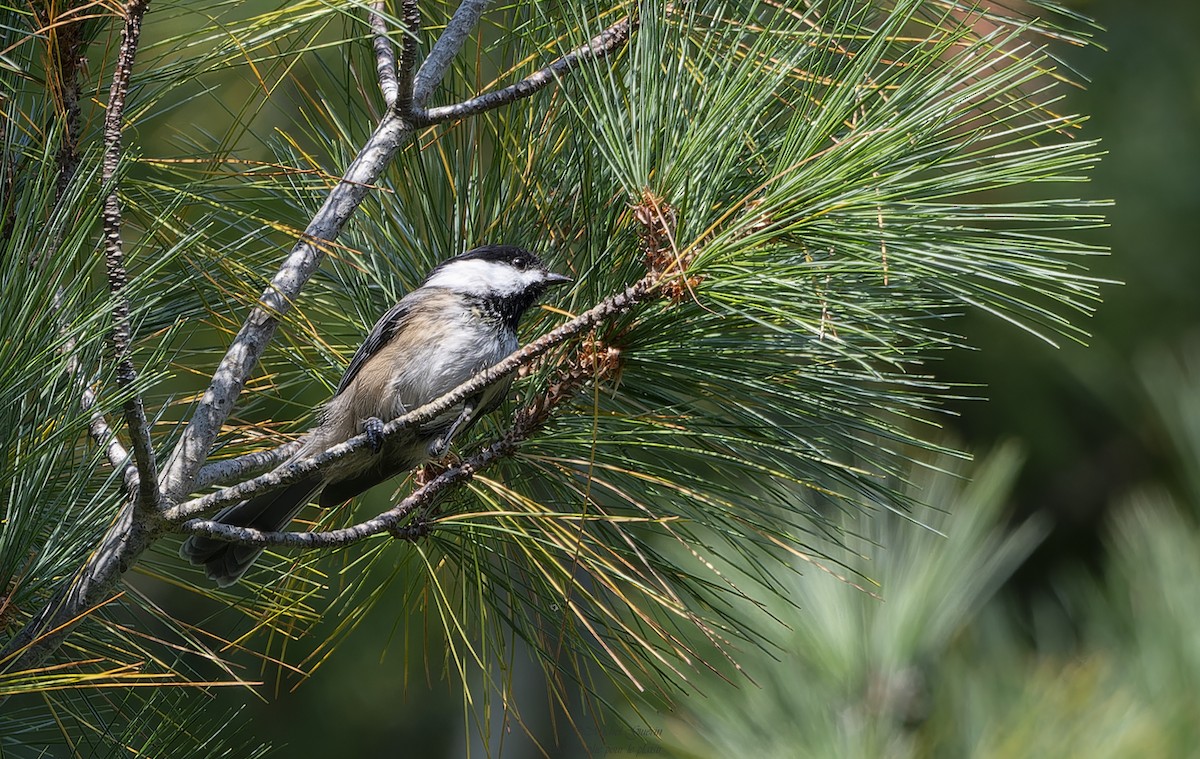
(98, 428)
(385, 54)
(118, 277)
(435, 65)
(106, 439)
(597, 48)
(241, 467)
(408, 54)
(64, 40)
(137, 524)
(298, 470)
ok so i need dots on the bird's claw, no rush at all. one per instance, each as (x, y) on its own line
(373, 429)
(438, 447)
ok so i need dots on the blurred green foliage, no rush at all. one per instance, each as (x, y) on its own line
(930, 667)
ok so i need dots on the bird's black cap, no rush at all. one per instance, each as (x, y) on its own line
(509, 254)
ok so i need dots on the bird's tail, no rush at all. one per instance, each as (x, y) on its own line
(226, 562)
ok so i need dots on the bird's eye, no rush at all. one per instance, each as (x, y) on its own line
(520, 262)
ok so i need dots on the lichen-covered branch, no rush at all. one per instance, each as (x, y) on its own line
(445, 50)
(98, 427)
(239, 468)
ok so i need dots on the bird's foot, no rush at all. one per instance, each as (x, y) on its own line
(373, 429)
(411, 532)
(438, 447)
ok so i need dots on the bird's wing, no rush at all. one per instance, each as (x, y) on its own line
(383, 331)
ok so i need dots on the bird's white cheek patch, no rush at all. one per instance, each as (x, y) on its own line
(477, 277)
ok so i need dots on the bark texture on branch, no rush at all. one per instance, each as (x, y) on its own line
(114, 259)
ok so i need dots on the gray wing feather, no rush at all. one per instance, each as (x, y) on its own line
(383, 331)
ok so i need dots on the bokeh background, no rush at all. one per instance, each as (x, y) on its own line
(1102, 431)
(1082, 412)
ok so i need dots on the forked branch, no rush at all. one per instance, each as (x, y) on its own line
(343, 200)
(138, 525)
(575, 374)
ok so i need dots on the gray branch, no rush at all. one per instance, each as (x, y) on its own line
(242, 356)
(131, 534)
(93, 585)
(135, 530)
(385, 54)
(239, 468)
(98, 428)
(137, 524)
(597, 48)
(444, 51)
(114, 256)
(68, 61)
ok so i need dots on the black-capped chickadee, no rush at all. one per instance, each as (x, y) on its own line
(460, 321)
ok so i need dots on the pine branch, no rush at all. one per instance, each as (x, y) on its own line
(65, 42)
(136, 529)
(118, 277)
(408, 55)
(385, 522)
(252, 339)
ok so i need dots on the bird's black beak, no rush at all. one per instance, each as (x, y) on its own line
(553, 279)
